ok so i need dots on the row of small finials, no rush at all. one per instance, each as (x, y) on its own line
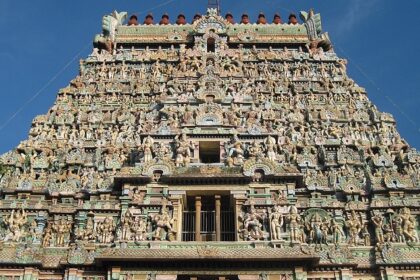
(181, 20)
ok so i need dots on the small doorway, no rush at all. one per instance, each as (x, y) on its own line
(211, 45)
(209, 151)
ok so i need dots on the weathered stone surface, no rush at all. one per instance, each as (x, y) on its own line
(263, 119)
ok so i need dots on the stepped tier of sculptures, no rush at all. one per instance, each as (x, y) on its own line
(283, 115)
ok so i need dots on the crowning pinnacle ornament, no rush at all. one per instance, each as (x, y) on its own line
(210, 151)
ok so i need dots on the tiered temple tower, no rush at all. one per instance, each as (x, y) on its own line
(211, 151)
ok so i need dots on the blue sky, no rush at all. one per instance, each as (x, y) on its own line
(380, 38)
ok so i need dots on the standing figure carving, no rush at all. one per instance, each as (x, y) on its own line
(147, 148)
(163, 224)
(48, 235)
(295, 226)
(235, 152)
(183, 149)
(276, 223)
(317, 232)
(377, 221)
(126, 222)
(409, 225)
(61, 229)
(270, 148)
(354, 226)
(139, 228)
(105, 230)
(337, 231)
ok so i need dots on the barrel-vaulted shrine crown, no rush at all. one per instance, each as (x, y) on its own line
(307, 32)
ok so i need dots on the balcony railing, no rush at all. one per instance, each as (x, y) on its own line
(208, 226)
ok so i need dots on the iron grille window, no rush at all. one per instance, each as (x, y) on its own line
(208, 221)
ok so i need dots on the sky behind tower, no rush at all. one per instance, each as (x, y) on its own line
(42, 42)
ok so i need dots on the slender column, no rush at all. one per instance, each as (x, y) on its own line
(197, 218)
(346, 274)
(249, 277)
(176, 199)
(73, 274)
(300, 273)
(218, 218)
(166, 277)
(30, 273)
(389, 274)
(115, 272)
(239, 198)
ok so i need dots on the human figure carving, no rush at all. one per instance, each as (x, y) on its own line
(105, 230)
(253, 224)
(354, 226)
(15, 225)
(183, 150)
(163, 225)
(61, 229)
(276, 223)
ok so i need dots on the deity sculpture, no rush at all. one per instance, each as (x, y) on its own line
(48, 235)
(354, 226)
(377, 221)
(126, 223)
(87, 233)
(235, 152)
(276, 223)
(297, 132)
(252, 225)
(61, 230)
(318, 230)
(270, 148)
(147, 148)
(409, 225)
(163, 152)
(397, 225)
(295, 226)
(255, 151)
(163, 224)
(138, 196)
(105, 230)
(139, 229)
(183, 150)
(15, 225)
(337, 231)
(366, 235)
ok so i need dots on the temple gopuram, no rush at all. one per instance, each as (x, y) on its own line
(211, 151)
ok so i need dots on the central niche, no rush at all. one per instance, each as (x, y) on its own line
(209, 151)
(211, 44)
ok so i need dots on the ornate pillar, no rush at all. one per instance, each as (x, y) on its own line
(300, 274)
(388, 274)
(197, 218)
(73, 274)
(166, 276)
(30, 273)
(249, 277)
(218, 217)
(346, 274)
(115, 273)
(239, 198)
(176, 200)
